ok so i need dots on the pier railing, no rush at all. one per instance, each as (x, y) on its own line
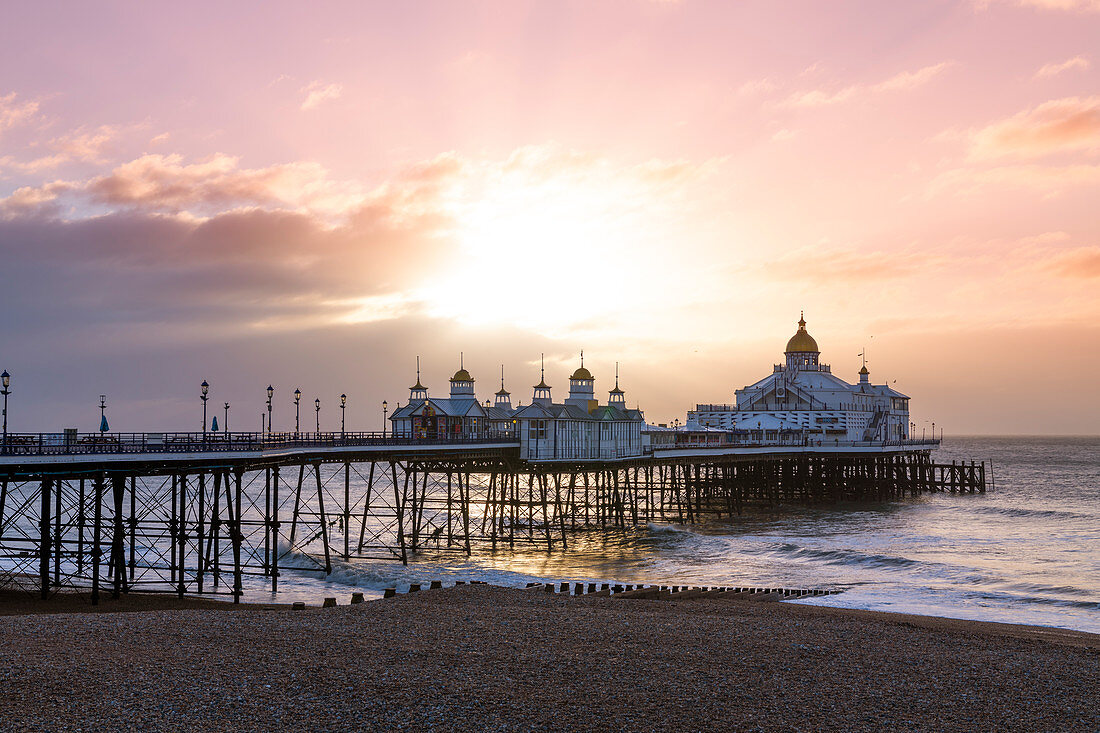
(59, 444)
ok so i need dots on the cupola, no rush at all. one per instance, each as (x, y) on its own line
(462, 384)
(582, 387)
(542, 389)
(802, 349)
(503, 397)
(616, 397)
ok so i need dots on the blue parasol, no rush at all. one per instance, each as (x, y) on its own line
(103, 426)
(214, 425)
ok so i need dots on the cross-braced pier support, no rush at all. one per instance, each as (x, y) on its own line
(205, 525)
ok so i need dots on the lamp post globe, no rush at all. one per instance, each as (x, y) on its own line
(5, 379)
(297, 410)
(204, 397)
(270, 394)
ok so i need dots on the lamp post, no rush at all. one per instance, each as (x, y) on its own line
(225, 425)
(933, 430)
(317, 406)
(343, 411)
(5, 379)
(385, 412)
(270, 392)
(205, 391)
(297, 410)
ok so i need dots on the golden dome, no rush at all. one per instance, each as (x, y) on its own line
(802, 341)
(864, 370)
(462, 376)
(582, 373)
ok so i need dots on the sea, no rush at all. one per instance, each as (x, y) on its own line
(1025, 552)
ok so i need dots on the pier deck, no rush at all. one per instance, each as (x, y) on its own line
(195, 514)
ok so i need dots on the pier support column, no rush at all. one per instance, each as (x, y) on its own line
(44, 539)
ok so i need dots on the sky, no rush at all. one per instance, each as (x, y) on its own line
(313, 195)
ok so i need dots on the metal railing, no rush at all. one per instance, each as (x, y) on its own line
(59, 444)
(808, 443)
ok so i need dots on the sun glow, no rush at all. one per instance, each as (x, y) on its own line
(556, 253)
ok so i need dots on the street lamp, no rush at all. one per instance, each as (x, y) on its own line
(343, 411)
(270, 392)
(103, 413)
(203, 397)
(385, 412)
(225, 425)
(297, 411)
(317, 406)
(5, 379)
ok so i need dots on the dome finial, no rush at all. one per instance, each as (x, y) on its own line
(802, 319)
(460, 358)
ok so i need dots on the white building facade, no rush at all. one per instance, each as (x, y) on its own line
(578, 428)
(802, 397)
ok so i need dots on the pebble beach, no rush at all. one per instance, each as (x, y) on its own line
(486, 658)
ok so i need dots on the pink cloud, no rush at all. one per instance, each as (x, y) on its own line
(15, 112)
(318, 93)
(902, 81)
(1060, 125)
(1080, 6)
(1083, 262)
(1048, 70)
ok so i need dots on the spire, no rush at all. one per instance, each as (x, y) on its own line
(418, 392)
(618, 397)
(418, 385)
(542, 373)
(542, 389)
(504, 398)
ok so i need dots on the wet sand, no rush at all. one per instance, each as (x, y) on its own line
(483, 658)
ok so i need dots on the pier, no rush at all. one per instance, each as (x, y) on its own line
(194, 513)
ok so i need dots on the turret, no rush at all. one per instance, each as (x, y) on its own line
(582, 387)
(616, 397)
(542, 389)
(418, 392)
(503, 397)
(802, 349)
(462, 384)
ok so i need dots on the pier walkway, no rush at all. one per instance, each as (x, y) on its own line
(194, 513)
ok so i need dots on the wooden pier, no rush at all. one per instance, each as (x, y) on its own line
(195, 517)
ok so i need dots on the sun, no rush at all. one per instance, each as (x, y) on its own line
(541, 255)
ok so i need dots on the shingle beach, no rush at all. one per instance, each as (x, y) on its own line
(484, 658)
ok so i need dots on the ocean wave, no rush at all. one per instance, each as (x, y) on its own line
(1008, 511)
(846, 557)
(655, 528)
(1028, 599)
